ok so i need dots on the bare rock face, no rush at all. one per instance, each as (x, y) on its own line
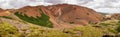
(62, 15)
(75, 14)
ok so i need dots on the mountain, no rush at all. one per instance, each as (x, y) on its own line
(61, 20)
(61, 15)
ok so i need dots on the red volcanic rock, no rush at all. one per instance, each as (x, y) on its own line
(75, 14)
(62, 15)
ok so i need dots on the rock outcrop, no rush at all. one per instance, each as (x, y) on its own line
(116, 16)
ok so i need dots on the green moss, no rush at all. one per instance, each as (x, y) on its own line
(112, 30)
(7, 30)
(84, 31)
(42, 20)
(45, 32)
(7, 17)
(118, 28)
(104, 24)
(109, 27)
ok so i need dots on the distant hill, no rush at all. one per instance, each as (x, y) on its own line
(103, 13)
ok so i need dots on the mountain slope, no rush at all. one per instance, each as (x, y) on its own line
(62, 15)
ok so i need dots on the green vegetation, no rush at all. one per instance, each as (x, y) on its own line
(45, 32)
(84, 31)
(7, 17)
(7, 30)
(109, 27)
(118, 28)
(105, 24)
(42, 20)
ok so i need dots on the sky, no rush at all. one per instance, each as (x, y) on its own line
(104, 6)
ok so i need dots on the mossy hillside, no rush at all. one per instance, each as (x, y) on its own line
(84, 31)
(7, 17)
(42, 20)
(118, 28)
(36, 31)
(7, 30)
(109, 26)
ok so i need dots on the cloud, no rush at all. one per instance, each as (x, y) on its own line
(109, 10)
(107, 6)
(15, 4)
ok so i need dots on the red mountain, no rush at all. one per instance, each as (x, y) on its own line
(63, 15)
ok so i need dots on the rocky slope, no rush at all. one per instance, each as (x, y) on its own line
(116, 16)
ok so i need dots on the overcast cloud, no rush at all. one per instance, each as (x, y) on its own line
(106, 6)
